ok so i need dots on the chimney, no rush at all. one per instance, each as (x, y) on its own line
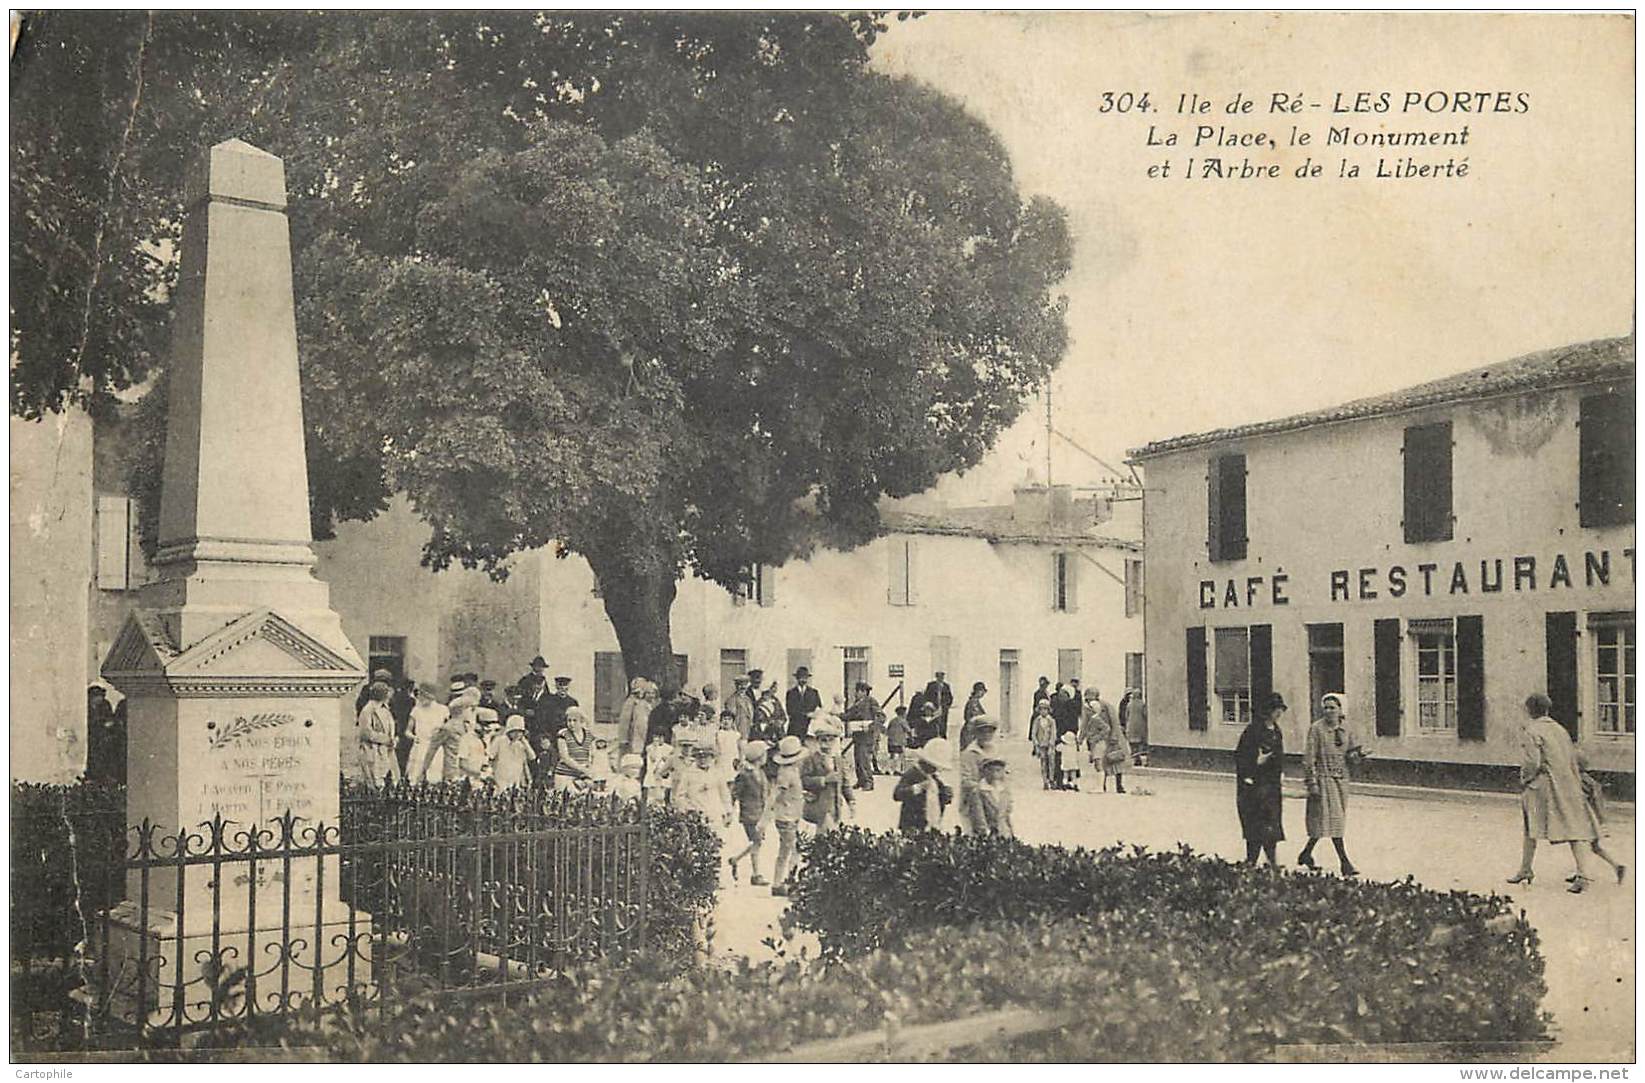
(1031, 505)
(1062, 504)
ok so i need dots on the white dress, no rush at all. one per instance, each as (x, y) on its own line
(425, 720)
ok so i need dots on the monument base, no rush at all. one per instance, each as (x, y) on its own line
(235, 971)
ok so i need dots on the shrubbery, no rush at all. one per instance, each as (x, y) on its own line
(1286, 958)
(1134, 1001)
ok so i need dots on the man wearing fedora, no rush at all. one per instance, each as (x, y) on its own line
(801, 700)
(741, 705)
(939, 693)
(827, 797)
(861, 721)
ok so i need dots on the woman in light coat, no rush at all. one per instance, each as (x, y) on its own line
(376, 732)
(1325, 760)
(1552, 802)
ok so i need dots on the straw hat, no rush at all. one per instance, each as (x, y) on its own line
(935, 753)
(630, 760)
(516, 724)
(755, 750)
(826, 727)
(789, 750)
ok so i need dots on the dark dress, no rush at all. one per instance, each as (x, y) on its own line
(1258, 795)
(912, 819)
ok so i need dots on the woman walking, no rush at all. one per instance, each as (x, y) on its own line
(1551, 797)
(376, 728)
(1325, 768)
(1258, 760)
(921, 793)
(1116, 756)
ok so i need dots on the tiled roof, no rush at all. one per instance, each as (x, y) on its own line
(1564, 366)
(998, 524)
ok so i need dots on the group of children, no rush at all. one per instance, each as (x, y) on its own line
(1063, 756)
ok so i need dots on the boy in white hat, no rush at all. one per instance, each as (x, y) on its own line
(993, 802)
(750, 791)
(627, 784)
(787, 807)
(511, 752)
(1068, 761)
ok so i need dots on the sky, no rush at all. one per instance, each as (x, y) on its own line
(1194, 305)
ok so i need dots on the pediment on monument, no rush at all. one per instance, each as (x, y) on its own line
(141, 647)
(261, 643)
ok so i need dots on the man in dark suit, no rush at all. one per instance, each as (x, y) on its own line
(941, 696)
(557, 703)
(801, 700)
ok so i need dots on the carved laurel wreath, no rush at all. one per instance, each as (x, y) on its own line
(242, 726)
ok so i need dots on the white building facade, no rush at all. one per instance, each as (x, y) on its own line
(1437, 554)
(1003, 595)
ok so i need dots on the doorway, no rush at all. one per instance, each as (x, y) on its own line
(1008, 689)
(1325, 665)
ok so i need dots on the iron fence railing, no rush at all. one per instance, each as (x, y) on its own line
(139, 935)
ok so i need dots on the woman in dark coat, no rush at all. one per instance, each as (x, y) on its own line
(1258, 760)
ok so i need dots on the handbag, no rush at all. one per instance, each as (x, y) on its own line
(1113, 757)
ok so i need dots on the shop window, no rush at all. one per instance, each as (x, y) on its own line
(1614, 641)
(1231, 678)
(1605, 486)
(1436, 650)
(1064, 582)
(1428, 482)
(1225, 489)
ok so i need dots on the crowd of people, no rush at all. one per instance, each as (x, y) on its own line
(768, 761)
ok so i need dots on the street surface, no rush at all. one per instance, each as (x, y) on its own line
(1470, 843)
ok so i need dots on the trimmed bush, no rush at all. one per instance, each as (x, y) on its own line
(1135, 1002)
(1287, 958)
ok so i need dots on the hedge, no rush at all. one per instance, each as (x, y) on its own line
(1135, 1001)
(1287, 958)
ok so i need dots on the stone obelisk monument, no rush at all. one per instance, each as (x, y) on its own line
(235, 662)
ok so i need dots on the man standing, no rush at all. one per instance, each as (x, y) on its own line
(533, 687)
(489, 698)
(860, 721)
(1042, 692)
(365, 690)
(557, 703)
(801, 700)
(1066, 710)
(942, 696)
(742, 707)
(973, 709)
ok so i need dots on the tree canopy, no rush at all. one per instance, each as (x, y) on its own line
(671, 291)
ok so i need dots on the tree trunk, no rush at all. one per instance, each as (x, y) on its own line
(638, 601)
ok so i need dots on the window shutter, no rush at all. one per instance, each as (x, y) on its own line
(1262, 666)
(113, 542)
(1387, 648)
(1470, 633)
(1226, 513)
(896, 557)
(1071, 565)
(1428, 482)
(1199, 705)
(1213, 509)
(1058, 566)
(910, 580)
(1559, 630)
(1605, 485)
(767, 584)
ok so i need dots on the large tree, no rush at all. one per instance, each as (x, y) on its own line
(672, 292)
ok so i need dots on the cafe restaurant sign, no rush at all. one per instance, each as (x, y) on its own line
(1491, 575)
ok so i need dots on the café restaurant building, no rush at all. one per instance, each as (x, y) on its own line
(1436, 554)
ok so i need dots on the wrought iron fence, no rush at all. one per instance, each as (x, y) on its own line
(153, 935)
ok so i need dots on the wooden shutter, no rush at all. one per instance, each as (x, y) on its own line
(1226, 508)
(1470, 633)
(1428, 482)
(767, 584)
(896, 556)
(1199, 705)
(1071, 569)
(910, 578)
(1388, 644)
(1605, 488)
(113, 542)
(1559, 630)
(1262, 667)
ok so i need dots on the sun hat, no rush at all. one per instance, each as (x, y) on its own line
(630, 760)
(789, 750)
(985, 722)
(992, 761)
(827, 727)
(934, 753)
(516, 724)
(753, 750)
(486, 714)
